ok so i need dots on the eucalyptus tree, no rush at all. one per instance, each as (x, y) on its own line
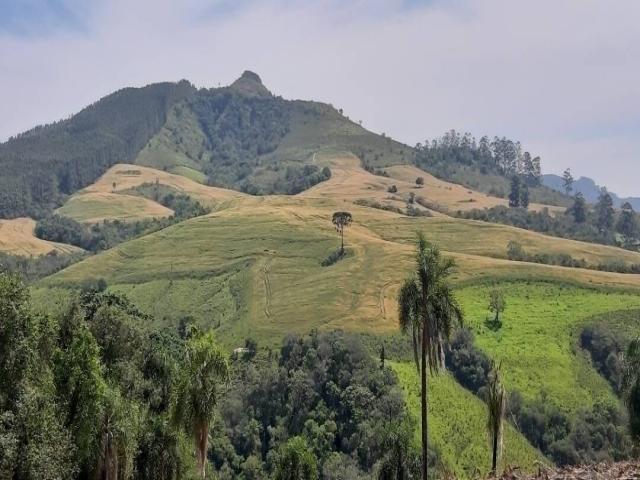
(205, 371)
(428, 310)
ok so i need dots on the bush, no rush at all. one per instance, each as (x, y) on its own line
(333, 258)
(392, 189)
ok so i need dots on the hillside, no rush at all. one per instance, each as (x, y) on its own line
(259, 263)
(253, 269)
(17, 238)
(239, 137)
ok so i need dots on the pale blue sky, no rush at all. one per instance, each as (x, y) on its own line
(562, 76)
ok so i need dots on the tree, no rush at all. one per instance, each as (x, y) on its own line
(515, 195)
(420, 181)
(497, 303)
(579, 209)
(341, 220)
(627, 223)
(428, 309)
(631, 386)
(412, 198)
(392, 189)
(524, 195)
(605, 212)
(497, 405)
(296, 461)
(567, 181)
(205, 369)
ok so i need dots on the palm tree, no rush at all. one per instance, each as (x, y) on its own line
(205, 370)
(631, 386)
(428, 309)
(497, 405)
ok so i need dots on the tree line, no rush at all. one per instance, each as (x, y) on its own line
(599, 223)
(499, 156)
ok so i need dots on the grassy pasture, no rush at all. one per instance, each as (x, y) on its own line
(457, 426)
(537, 343)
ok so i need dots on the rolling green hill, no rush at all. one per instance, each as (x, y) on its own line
(255, 268)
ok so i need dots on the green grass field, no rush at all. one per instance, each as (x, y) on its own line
(457, 426)
(537, 343)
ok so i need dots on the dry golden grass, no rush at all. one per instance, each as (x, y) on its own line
(105, 199)
(17, 238)
(125, 176)
(450, 195)
(93, 207)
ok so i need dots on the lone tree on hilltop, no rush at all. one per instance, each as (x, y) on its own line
(428, 309)
(341, 220)
(497, 406)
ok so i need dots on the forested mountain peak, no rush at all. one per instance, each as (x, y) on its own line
(250, 84)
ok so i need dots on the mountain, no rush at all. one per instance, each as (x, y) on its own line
(590, 189)
(241, 137)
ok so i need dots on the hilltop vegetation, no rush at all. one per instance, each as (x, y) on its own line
(68, 155)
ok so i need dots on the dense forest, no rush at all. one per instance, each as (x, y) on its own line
(94, 393)
(44, 165)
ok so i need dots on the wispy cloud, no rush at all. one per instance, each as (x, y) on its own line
(563, 76)
(38, 18)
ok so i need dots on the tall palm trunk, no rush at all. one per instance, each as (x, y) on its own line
(494, 463)
(425, 431)
(202, 439)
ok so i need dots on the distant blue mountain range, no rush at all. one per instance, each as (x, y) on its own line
(589, 188)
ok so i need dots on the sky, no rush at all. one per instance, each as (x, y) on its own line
(561, 76)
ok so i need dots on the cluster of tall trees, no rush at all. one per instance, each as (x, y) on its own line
(599, 223)
(96, 392)
(320, 407)
(499, 156)
(93, 394)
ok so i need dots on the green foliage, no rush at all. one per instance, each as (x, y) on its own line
(484, 164)
(296, 461)
(579, 223)
(516, 252)
(31, 269)
(102, 236)
(631, 386)
(325, 388)
(205, 371)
